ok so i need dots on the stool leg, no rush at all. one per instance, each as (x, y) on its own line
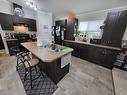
(30, 78)
(41, 72)
(25, 74)
(36, 69)
(17, 65)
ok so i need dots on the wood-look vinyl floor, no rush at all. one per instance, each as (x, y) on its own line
(84, 78)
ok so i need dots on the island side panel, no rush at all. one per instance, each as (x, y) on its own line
(54, 70)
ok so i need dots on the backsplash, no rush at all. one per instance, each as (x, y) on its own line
(10, 34)
(89, 35)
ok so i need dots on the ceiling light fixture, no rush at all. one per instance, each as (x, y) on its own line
(27, 3)
(31, 4)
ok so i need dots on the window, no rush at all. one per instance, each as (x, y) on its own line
(83, 26)
(94, 25)
(90, 28)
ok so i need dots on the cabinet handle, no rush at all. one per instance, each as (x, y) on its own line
(110, 42)
(104, 52)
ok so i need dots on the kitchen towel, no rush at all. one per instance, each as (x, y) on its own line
(65, 60)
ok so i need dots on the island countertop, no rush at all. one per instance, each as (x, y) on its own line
(45, 54)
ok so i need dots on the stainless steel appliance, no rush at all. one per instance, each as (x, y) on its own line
(59, 34)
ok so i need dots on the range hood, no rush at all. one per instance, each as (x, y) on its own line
(21, 27)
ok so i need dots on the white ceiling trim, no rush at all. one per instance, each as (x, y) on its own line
(107, 10)
(95, 12)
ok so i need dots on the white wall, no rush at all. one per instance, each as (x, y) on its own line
(2, 33)
(125, 35)
(7, 7)
(44, 19)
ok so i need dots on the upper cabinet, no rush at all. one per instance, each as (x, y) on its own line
(7, 21)
(71, 27)
(115, 26)
(32, 25)
(61, 23)
(70, 30)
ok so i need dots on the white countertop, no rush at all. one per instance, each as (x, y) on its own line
(96, 45)
(45, 54)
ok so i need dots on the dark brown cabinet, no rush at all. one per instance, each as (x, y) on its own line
(7, 21)
(61, 22)
(30, 22)
(32, 25)
(114, 29)
(105, 57)
(101, 56)
(71, 27)
(83, 51)
(13, 46)
(70, 30)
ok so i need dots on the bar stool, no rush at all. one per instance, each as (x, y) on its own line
(28, 64)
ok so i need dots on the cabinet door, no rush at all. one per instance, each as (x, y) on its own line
(119, 30)
(92, 51)
(61, 23)
(111, 58)
(106, 57)
(101, 58)
(32, 25)
(15, 19)
(6, 21)
(30, 22)
(76, 48)
(70, 30)
(109, 27)
(12, 45)
(84, 52)
(114, 29)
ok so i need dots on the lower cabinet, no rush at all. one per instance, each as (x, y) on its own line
(106, 57)
(13, 47)
(101, 56)
(83, 52)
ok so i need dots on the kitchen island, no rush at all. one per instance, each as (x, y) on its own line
(52, 63)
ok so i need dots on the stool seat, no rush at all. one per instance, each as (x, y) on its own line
(32, 62)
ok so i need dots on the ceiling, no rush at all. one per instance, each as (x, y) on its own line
(60, 8)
